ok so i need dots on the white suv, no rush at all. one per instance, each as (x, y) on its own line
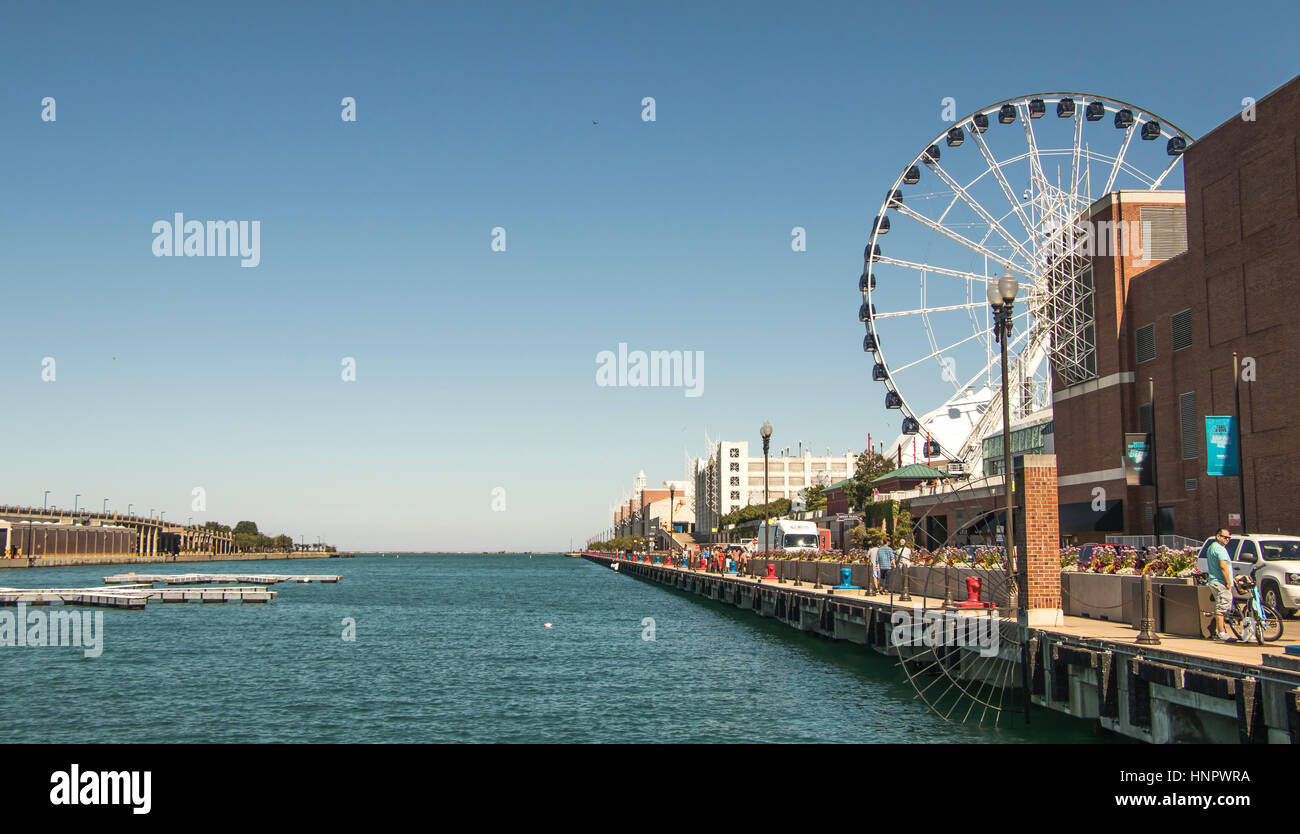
(1279, 575)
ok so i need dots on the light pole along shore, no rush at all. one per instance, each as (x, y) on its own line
(1002, 298)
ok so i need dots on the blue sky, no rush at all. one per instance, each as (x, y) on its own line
(476, 369)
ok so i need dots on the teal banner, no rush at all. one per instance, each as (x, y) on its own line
(1221, 445)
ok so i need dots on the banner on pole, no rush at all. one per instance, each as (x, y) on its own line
(1221, 445)
(1137, 458)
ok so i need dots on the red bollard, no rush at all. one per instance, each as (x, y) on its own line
(973, 584)
(771, 572)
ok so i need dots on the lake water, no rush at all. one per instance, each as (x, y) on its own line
(454, 648)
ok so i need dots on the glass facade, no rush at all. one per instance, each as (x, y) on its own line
(1030, 440)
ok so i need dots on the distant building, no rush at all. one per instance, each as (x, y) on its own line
(731, 479)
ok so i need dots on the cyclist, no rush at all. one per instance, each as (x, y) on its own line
(1220, 582)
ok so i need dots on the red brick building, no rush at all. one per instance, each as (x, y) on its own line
(1178, 322)
(1219, 273)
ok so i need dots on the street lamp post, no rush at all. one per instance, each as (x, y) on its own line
(765, 432)
(128, 509)
(672, 496)
(1002, 298)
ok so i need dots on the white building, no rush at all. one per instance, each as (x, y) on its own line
(731, 478)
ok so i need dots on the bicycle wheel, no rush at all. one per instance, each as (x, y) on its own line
(1233, 619)
(1271, 628)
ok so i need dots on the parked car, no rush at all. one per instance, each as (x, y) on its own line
(1278, 576)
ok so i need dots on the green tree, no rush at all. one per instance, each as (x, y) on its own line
(247, 528)
(815, 496)
(283, 542)
(754, 512)
(870, 465)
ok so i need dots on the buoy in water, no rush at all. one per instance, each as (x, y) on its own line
(548, 625)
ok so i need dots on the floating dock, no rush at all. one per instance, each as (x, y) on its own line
(209, 578)
(132, 596)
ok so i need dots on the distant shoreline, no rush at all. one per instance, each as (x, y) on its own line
(166, 558)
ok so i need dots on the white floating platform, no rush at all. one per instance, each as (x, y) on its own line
(132, 596)
(208, 578)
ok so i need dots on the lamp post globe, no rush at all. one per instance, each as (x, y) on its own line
(1008, 286)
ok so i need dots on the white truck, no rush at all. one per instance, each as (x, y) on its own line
(1278, 559)
(787, 535)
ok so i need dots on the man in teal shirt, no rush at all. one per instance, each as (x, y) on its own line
(1220, 570)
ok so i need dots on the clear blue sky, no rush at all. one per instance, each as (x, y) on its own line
(476, 369)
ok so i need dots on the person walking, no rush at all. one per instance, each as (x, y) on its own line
(885, 559)
(904, 556)
(873, 570)
(1220, 582)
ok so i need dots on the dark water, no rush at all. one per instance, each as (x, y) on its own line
(453, 648)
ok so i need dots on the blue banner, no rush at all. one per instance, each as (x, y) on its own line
(1221, 445)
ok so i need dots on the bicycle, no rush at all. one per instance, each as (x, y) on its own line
(1249, 619)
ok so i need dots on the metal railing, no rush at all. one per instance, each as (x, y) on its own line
(1149, 541)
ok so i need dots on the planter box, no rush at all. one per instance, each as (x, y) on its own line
(1096, 595)
(1133, 599)
(1107, 596)
(1185, 609)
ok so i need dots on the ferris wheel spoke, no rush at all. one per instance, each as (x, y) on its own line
(980, 210)
(1036, 163)
(927, 310)
(937, 225)
(1075, 173)
(937, 270)
(996, 168)
(984, 334)
(1114, 171)
(1165, 173)
(995, 358)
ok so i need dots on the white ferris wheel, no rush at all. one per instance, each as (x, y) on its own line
(1007, 187)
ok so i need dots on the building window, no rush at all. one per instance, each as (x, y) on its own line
(735, 482)
(735, 496)
(735, 453)
(1190, 484)
(734, 467)
(1187, 421)
(1181, 325)
(1146, 343)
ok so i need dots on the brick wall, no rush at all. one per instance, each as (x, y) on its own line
(1239, 280)
(1042, 532)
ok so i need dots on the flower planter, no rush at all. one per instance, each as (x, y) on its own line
(1108, 596)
